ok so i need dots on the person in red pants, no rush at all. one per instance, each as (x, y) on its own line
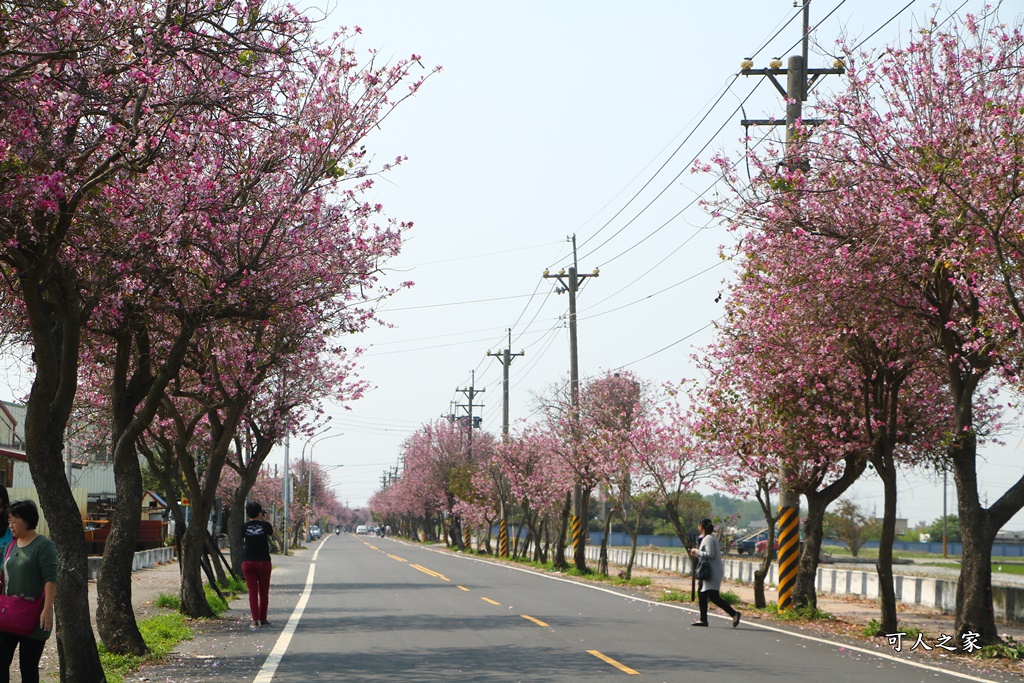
(256, 535)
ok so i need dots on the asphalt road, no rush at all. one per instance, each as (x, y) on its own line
(368, 609)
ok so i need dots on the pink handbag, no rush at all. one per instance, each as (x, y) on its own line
(19, 616)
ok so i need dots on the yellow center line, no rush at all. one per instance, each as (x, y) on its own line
(373, 547)
(617, 665)
(536, 621)
(490, 601)
(431, 573)
(396, 557)
(463, 588)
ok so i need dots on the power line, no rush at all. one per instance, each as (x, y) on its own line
(666, 348)
(670, 184)
(454, 303)
(891, 19)
(693, 131)
(661, 291)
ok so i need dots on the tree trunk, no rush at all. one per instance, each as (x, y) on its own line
(579, 550)
(545, 539)
(672, 511)
(603, 564)
(804, 592)
(215, 559)
(886, 469)
(193, 542)
(560, 561)
(56, 336)
(632, 556)
(974, 612)
(115, 616)
(76, 643)
(764, 499)
(235, 529)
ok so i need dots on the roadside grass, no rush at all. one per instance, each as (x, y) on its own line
(671, 595)
(160, 633)
(590, 575)
(873, 629)
(1011, 649)
(164, 631)
(609, 578)
(1014, 562)
(802, 613)
(997, 566)
(687, 597)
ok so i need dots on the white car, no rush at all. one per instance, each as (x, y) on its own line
(362, 530)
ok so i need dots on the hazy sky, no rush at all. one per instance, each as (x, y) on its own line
(559, 118)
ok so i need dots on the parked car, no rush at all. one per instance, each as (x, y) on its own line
(314, 533)
(762, 547)
(362, 530)
(748, 544)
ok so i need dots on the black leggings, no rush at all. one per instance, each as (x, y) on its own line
(714, 597)
(31, 651)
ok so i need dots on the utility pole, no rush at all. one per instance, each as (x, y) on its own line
(571, 282)
(505, 358)
(797, 86)
(471, 391)
(287, 495)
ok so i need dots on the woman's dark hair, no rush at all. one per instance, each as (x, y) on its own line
(253, 509)
(707, 525)
(26, 511)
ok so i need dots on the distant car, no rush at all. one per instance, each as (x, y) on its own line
(362, 530)
(748, 544)
(314, 533)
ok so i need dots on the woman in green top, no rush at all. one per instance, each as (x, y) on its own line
(30, 569)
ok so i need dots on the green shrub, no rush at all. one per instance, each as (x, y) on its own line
(160, 633)
(676, 596)
(168, 601)
(218, 605)
(801, 613)
(1011, 649)
(874, 630)
(235, 586)
(730, 597)
(163, 632)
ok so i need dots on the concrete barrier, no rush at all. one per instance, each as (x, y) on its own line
(144, 559)
(936, 593)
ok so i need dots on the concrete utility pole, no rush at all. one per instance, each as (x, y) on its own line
(286, 494)
(797, 85)
(571, 282)
(471, 391)
(505, 358)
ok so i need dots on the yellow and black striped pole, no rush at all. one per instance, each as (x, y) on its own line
(503, 539)
(789, 553)
(577, 536)
(466, 538)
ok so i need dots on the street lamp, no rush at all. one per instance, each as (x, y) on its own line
(309, 471)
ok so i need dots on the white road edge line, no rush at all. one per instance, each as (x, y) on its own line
(269, 668)
(852, 648)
